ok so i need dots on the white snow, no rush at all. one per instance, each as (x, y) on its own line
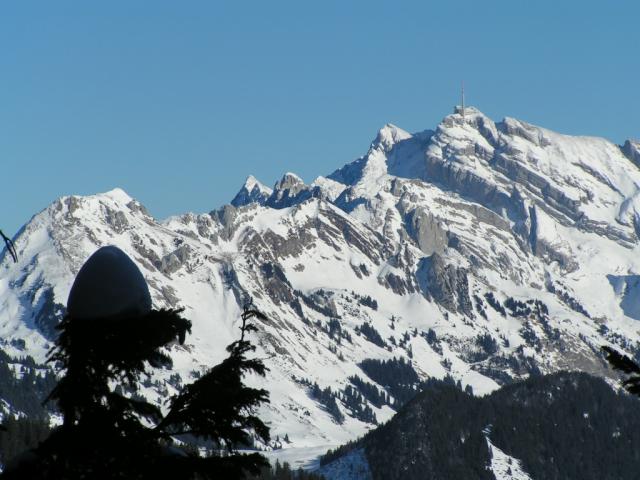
(307, 458)
(388, 136)
(505, 467)
(330, 188)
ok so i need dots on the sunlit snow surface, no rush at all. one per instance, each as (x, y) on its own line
(307, 458)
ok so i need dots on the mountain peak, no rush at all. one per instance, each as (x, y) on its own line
(290, 189)
(253, 191)
(388, 136)
(288, 180)
(252, 182)
(472, 116)
(118, 195)
(474, 125)
(468, 111)
(292, 175)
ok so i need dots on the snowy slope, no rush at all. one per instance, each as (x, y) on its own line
(451, 231)
(505, 467)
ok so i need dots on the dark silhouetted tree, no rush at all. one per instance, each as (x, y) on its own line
(10, 247)
(107, 434)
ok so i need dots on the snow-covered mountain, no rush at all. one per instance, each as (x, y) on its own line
(481, 250)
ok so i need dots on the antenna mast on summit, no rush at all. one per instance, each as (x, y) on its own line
(463, 116)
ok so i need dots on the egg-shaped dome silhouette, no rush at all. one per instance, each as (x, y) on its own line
(109, 285)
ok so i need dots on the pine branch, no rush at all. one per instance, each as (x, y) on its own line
(218, 405)
(10, 247)
(626, 365)
(94, 353)
(621, 362)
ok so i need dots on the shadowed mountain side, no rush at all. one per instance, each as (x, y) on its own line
(568, 426)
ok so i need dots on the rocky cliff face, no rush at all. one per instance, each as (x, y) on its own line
(480, 250)
(631, 149)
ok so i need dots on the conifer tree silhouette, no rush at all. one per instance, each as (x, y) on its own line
(9, 246)
(106, 434)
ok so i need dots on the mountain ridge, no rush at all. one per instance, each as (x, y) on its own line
(563, 425)
(492, 250)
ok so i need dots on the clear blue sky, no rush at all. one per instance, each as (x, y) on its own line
(177, 102)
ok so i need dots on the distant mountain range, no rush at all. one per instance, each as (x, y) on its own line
(480, 252)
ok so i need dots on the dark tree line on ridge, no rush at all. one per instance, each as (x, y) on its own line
(568, 425)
